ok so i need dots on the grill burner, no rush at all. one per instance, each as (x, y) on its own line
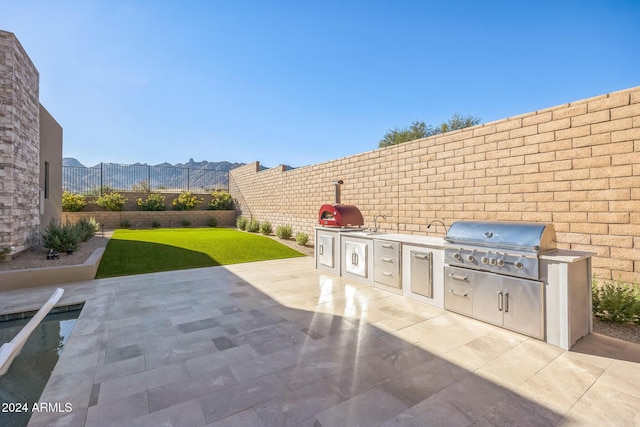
(510, 248)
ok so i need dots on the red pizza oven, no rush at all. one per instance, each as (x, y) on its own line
(339, 215)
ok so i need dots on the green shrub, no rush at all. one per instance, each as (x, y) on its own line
(111, 201)
(72, 202)
(61, 237)
(212, 222)
(302, 239)
(284, 232)
(241, 223)
(87, 228)
(125, 223)
(154, 202)
(616, 302)
(4, 253)
(221, 201)
(185, 201)
(155, 223)
(185, 222)
(253, 226)
(265, 228)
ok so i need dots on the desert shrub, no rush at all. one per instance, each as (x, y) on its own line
(302, 238)
(212, 221)
(4, 253)
(87, 228)
(125, 223)
(72, 202)
(155, 223)
(61, 237)
(111, 201)
(265, 228)
(185, 222)
(242, 222)
(253, 226)
(185, 201)
(284, 232)
(154, 202)
(221, 201)
(616, 302)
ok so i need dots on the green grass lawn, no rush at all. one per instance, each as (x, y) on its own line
(147, 251)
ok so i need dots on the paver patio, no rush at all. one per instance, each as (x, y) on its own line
(278, 343)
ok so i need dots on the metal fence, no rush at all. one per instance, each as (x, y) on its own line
(107, 177)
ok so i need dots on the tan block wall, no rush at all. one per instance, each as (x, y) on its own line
(576, 165)
(140, 219)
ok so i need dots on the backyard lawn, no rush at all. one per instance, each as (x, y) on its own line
(147, 251)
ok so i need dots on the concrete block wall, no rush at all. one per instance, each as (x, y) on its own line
(19, 146)
(575, 165)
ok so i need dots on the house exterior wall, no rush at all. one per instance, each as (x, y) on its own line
(576, 165)
(19, 146)
(51, 164)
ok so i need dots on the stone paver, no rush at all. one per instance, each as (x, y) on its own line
(278, 343)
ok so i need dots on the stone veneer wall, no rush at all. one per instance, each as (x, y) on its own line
(576, 165)
(19, 146)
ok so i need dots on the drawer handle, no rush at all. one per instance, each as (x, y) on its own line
(456, 277)
(386, 259)
(386, 245)
(421, 256)
(452, 292)
(386, 273)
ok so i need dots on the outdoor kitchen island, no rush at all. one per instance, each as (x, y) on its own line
(416, 267)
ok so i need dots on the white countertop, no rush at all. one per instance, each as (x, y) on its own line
(566, 255)
(431, 241)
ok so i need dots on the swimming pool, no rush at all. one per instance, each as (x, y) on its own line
(22, 385)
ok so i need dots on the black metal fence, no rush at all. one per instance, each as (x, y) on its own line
(107, 177)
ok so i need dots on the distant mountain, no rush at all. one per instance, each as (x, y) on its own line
(202, 176)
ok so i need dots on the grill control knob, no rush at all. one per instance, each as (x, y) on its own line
(501, 263)
(484, 260)
(492, 261)
(470, 258)
(518, 265)
(457, 256)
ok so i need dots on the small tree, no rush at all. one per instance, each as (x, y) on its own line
(221, 200)
(72, 202)
(419, 129)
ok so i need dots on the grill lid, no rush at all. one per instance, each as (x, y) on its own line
(524, 236)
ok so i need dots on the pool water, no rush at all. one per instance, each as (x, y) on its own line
(23, 384)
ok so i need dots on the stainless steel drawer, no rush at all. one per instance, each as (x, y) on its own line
(386, 266)
(458, 290)
(386, 248)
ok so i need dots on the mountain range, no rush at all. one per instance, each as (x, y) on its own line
(194, 176)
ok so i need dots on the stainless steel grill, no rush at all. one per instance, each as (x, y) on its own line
(493, 273)
(510, 248)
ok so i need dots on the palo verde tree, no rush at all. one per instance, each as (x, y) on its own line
(419, 129)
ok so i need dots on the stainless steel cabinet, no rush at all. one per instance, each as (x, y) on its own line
(327, 253)
(510, 302)
(421, 273)
(357, 259)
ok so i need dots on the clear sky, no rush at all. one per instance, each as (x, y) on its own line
(302, 82)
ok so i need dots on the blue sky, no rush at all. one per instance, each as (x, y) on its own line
(303, 82)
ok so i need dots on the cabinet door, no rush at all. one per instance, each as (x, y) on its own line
(487, 297)
(522, 306)
(355, 258)
(421, 281)
(325, 250)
